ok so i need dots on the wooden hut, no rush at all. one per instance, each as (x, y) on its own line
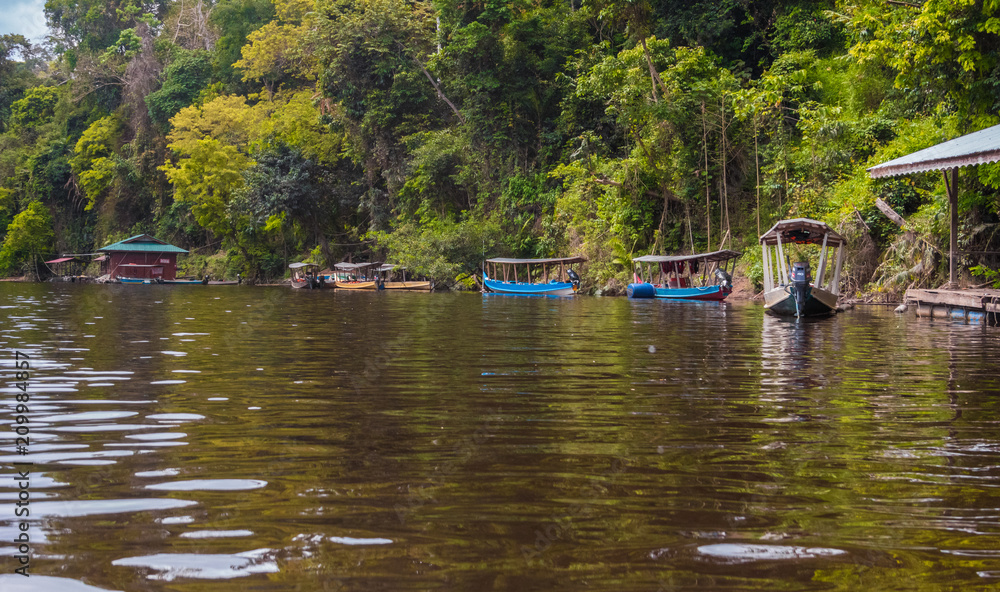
(142, 257)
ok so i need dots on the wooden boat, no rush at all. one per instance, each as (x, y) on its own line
(402, 284)
(789, 288)
(357, 276)
(563, 281)
(183, 281)
(677, 276)
(304, 276)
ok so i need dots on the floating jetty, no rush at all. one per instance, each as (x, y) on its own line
(977, 307)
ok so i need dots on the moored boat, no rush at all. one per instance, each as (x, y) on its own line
(563, 281)
(304, 276)
(677, 276)
(357, 276)
(789, 288)
(184, 281)
(402, 283)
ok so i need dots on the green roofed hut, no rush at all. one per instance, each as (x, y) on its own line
(142, 257)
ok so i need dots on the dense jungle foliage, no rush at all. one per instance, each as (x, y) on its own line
(432, 133)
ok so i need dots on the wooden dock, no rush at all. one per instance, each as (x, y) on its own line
(977, 306)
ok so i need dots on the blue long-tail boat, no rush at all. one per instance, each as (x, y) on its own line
(676, 276)
(552, 277)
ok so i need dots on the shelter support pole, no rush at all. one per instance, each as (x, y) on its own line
(952, 185)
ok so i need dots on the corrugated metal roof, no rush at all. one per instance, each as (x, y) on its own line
(980, 147)
(566, 260)
(724, 255)
(143, 243)
(350, 266)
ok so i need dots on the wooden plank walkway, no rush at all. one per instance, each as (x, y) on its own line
(975, 306)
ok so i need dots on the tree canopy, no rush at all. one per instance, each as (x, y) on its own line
(279, 130)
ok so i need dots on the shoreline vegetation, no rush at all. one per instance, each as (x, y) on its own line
(436, 134)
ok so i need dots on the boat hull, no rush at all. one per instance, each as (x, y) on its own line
(417, 286)
(298, 285)
(819, 302)
(372, 285)
(549, 289)
(703, 294)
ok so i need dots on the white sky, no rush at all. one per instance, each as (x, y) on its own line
(23, 17)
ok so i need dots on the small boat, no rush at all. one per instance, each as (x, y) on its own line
(402, 284)
(357, 276)
(789, 288)
(563, 281)
(677, 276)
(304, 276)
(183, 281)
(128, 280)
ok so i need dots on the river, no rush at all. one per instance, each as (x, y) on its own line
(194, 438)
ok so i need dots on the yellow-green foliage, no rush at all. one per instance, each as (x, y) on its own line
(279, 49)
(93, 158)
(29, 235)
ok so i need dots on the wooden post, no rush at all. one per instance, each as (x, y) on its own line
(953, 206)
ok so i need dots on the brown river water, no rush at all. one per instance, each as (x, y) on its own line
(196, 438)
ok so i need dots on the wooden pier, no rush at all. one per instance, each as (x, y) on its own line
(976, 306)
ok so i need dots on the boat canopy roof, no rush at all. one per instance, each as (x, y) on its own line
(723, 255)
(351, 266)
(802, 231)
(566, 260)
(301, 265)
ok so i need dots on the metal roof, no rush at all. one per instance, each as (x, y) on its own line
(301, 265)
(345, 265)
(539, 261)
(802, 231)
(980, 147)
(64, 260)
(723, 255)
(142, 243)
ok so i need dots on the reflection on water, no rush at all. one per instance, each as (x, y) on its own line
(232, 438)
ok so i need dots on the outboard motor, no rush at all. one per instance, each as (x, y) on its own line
(723, 279)
(800, 285)
(574, 278)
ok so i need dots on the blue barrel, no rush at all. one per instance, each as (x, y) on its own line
(641, 291)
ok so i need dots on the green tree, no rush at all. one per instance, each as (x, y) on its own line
(37, 107)
(29, 236)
